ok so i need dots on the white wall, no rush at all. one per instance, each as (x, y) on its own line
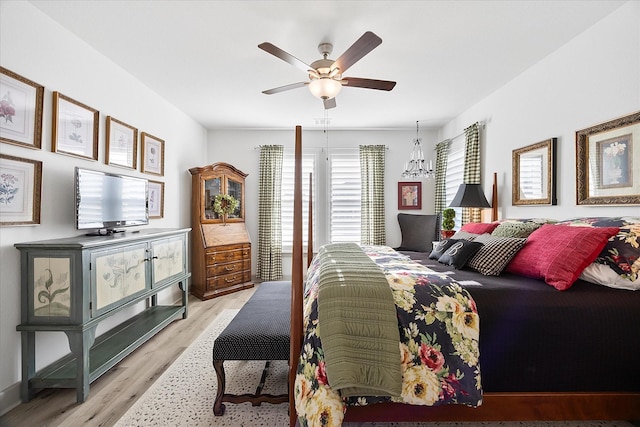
(37, 48)
(592, 79)
(237, 147)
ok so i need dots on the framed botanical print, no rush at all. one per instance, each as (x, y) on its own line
(122, 144)
(409, 195)
(156, 199)
(152, 154)
(20, 110)
(75, 128)
(20, 190)
(607, 162)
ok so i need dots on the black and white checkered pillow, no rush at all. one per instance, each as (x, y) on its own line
(495, 253)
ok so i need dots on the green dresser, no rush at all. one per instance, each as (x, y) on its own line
(73, 284)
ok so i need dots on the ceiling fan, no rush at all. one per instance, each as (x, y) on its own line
(325, 75)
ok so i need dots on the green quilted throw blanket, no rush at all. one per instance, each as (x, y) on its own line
(358, 325)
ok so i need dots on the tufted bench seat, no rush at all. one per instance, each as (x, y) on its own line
(260, 331)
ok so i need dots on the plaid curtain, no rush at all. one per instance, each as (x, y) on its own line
(442, 154)
(372, 229)
(471, 169)
(270, 213)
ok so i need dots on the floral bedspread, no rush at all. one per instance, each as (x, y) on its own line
(439, 331)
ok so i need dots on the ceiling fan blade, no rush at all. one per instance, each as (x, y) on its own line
(276, 51)
(329, 103)
(359, 49)
(368, 83)
(284, 88)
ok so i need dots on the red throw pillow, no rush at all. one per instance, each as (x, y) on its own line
(559, 253)
(480, 227)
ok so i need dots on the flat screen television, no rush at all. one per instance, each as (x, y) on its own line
(107, 201)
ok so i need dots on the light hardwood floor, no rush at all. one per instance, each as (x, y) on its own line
(112, 394)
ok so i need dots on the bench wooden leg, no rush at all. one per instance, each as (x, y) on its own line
(218, 407)
(255, 399)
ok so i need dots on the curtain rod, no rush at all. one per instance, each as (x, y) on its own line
(480, 125)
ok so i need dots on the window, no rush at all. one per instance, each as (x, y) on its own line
(455, 174)
(336, 180)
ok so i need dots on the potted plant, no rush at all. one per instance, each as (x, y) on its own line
(448, 223)
(223, 205)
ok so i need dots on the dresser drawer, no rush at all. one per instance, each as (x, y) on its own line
(219, 282)
(228, 268)
(236, 254)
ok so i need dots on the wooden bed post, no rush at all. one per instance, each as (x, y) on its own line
(296, 278)
(310, 225)
(494, 198)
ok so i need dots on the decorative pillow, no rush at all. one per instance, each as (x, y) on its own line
(515, 229)
(535, 220)
(459, 253)
(622, 252)
(418, 232)
(479, 227)
(441, 247)
(559, 253)
(464, 235)
(496, 253)
(601, 274)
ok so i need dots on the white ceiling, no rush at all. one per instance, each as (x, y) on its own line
(202, 56)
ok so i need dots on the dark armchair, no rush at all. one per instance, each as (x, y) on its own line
(418, 231)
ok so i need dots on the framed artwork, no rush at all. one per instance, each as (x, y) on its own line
(75, 128)
(156, 199)
(409, 195)
(21, 103)
(534, 174)
(122, 144)
(20, 190)
(152, 154)
(606, 156)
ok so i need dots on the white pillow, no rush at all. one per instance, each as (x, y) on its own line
(601, 274)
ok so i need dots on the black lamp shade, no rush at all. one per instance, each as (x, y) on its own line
(470, 196)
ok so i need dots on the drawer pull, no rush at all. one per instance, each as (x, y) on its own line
(232, 280)
(230, 268)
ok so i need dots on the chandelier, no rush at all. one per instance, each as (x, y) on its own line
(416, 167)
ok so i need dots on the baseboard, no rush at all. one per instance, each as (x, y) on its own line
(9, 398)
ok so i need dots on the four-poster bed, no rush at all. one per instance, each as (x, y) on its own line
(508, 405)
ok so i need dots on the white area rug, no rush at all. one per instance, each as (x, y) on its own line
(184, 394)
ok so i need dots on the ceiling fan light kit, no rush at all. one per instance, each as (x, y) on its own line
(325, 87)
(325, 75)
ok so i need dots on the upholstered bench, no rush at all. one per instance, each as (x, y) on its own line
(260, 331)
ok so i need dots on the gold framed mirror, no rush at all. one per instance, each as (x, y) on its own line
(534, 174)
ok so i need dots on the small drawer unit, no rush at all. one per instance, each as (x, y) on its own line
(228, 268)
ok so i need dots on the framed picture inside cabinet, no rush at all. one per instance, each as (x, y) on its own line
(122, 144)
(409, 195)
(20, 190)
(156, 200)
(20, 110)
(75, 128)
(152, 154)
(608, 161)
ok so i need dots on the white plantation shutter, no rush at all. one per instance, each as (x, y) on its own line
(455, 174)
(345, 196)
(308, 166)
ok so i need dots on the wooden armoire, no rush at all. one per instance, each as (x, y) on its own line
(221, 247)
